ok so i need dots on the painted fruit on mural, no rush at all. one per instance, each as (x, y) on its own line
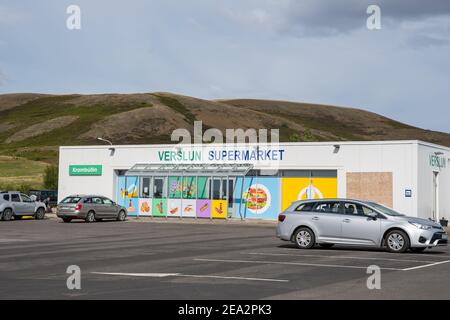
(175, 186)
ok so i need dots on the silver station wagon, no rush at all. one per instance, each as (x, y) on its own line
(90, 208)
(327, 222)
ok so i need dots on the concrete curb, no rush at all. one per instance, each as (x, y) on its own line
(264, 223)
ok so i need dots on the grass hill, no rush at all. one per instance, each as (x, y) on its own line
(32, 126)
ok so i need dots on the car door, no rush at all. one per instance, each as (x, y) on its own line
(358, 227)
(17, 204)
(110, 208)
(98, 207)
(28, 204)
(326, 216)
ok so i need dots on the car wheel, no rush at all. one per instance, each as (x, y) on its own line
(40, 214)
(7, 215)
(90, 217)
(121, 216)
(326, 245)
(304, 238)
(397, 241)
(66, 220)
(417, 250)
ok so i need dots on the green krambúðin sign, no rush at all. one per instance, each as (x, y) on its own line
(85, 170)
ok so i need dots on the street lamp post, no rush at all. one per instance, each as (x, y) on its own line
(111, 149)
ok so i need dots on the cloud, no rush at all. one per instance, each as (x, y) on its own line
(304, 50)
(11, 16)
(430, 32)
(312, 18)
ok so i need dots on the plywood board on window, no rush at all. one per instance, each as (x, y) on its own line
(373, 186)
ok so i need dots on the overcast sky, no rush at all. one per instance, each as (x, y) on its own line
(304, 50)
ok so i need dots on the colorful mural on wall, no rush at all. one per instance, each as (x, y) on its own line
(203, 208)
(128, 193)
(189, 208)
(219, 209)
(202, 186)
(120, 197)
(260, 198)
(189, 187)
(175, 187)
(159, 207)
(145, 207)
(257, 197)
(294, 189)
(174, 207)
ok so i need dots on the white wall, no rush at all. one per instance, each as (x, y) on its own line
(397, 157)
(425, 182)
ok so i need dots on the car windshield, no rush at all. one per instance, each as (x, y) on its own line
(385, 210)
(71, 200)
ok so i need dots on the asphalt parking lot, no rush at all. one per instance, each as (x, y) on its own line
(158, 260)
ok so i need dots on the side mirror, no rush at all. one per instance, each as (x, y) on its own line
(372, 215)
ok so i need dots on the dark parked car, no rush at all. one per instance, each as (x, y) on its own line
(90, 208)
(41, 195)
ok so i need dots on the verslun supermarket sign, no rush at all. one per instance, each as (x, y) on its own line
(225, 155)
(437, 162)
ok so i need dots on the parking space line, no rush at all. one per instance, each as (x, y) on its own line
(162, 275)
(431, 255)
(151, 275)
(334, 256)
(292, 263)
(426, 265)
(232, 278)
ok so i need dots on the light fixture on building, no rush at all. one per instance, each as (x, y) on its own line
(336, 148)
(111, 149)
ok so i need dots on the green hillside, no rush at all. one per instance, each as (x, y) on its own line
(32, 126)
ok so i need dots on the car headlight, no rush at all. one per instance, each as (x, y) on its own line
(420, 226)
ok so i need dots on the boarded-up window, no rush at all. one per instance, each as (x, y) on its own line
(373, 186)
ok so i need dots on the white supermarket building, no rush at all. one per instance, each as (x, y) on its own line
(257, 181)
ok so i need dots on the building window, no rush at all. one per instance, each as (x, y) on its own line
(216, 189)
(224, 189)
(145, 187)
(159, 188)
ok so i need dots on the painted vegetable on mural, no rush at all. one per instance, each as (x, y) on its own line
(255, 197)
